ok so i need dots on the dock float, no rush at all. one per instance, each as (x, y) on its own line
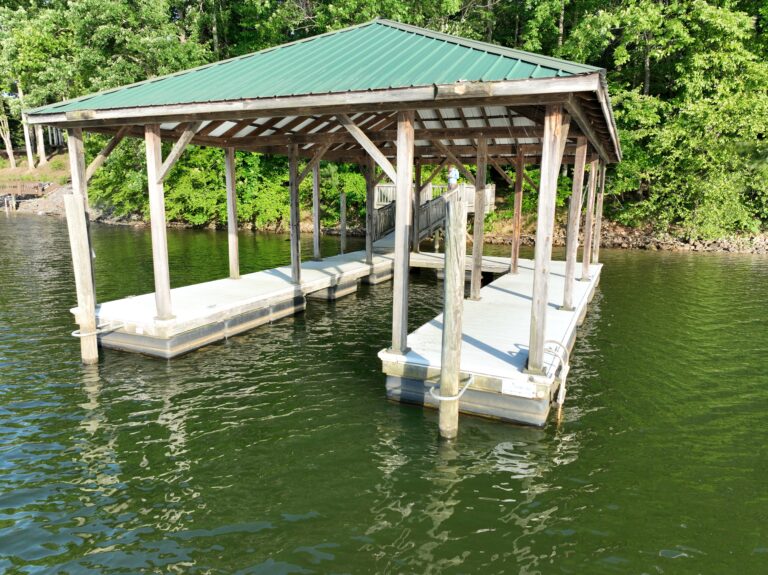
(494, 349)
(212, 311)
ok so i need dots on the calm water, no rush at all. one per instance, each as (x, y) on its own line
(277, 452)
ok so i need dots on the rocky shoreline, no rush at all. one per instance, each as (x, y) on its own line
(613, 235)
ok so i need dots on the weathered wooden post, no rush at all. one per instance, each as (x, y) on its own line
(599, 216)
(402, 231)
(80, 246)
(553, 141)
(157, 222)
(416, 228)
(234, 252)
(293, 184)
(478, 220)
(370, 207)
(28, 144)
(586, 257)
(453, 306)
(518, 210)
(41, 145)
(316, 254)
(343, 221)
(574, 219)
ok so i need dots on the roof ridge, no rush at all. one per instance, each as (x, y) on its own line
(483, 46)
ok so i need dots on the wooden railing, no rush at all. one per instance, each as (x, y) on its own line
(386, 193)
(22, 189)
(384, 220)
(431, 216)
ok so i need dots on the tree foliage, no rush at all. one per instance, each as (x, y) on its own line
(688, 79)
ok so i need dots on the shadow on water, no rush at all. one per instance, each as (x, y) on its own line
(276, 451)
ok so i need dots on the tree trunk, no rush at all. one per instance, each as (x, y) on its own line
(5, 134)
(647, 68)
(561, 25)
(43, 158)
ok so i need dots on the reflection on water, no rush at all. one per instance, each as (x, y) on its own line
(277, 452)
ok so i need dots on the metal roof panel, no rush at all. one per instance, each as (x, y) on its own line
(377, 55)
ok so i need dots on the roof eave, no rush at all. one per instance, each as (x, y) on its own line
(302, 103)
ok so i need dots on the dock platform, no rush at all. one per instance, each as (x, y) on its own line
(495, 334)
(212, 311)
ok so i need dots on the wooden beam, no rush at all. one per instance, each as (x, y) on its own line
(528, 179)
(99, 160)
(77, 164)
(501, 172)
(369, 146)
(478, 221)
(543, 92)
(447, 153)
(178, 149)
(574, 220)
(439, 168)
(403, 181)
(315, 161)
(385, 135)
(554, 132)
(234, 253)
(293, 184)
(157, 222)
(582, 119)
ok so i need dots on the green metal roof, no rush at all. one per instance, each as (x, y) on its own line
(374, 56)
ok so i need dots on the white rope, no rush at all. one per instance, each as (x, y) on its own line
(99, 329)
(451, 397)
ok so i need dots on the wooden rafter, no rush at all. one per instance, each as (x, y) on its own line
(178, 149)
(99, 160)
(313, 162)
(368, 145)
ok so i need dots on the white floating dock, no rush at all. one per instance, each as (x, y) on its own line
(212, 311)
(495, 334)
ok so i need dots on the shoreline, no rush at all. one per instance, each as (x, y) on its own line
(612, 235)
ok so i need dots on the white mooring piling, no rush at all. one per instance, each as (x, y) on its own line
(453, 305)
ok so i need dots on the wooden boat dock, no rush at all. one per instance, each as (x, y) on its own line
(500, 109)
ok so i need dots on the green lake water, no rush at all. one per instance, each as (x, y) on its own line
(277, 451)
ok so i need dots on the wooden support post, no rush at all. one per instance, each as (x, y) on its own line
(316, 212)
(370, 208)
(293, 183)
(518, 212)
(586, 256)
(403, 183)
(416, 228)
(157, 221)
(453, 305)
(599, 216)
(77, 164)
(234, 252)
(28, 144)
(343, 222)
(41, 155)
(555, 133)
(80, 245)
(478, 221)
(574, 220)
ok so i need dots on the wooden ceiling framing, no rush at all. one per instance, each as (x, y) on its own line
(507, 129)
